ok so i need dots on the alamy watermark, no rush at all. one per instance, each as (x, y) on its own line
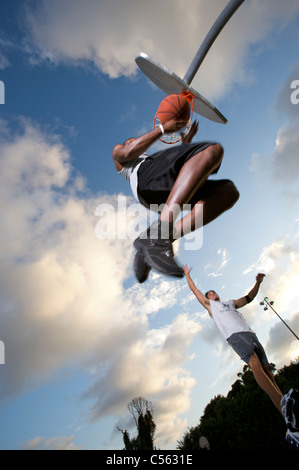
(2, 92)
(2, 346)
(122, 221)
(295, 93)
(2, 353)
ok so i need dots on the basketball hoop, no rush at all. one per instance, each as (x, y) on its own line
(174, 137)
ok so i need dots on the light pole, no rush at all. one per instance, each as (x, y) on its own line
(269, 303)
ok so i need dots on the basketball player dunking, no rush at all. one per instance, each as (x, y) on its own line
(169, 179)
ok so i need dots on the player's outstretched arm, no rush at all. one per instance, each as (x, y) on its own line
(252, 294)
(135, 147)
(198, 294)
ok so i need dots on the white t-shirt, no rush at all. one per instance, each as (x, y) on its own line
(130, 172)
(228, 319)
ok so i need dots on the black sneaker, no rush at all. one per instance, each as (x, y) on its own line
(157, 250)
(160, 256)
(141, 268)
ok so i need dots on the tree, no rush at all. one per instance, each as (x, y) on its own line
(139, 406)
(142, 412)
(246, 419)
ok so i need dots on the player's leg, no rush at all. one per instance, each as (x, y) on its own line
(192, 176)
(156, 243)
(215, 198)
(265, 382)
(271, 377)
(287, 405)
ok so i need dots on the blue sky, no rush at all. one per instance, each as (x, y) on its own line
(81, 336)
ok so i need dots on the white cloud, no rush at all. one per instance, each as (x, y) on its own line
(55, 288)
(152, 366)
(160, 295)
(282, 167)
(285, 158)
(53, 443)
(110, 33)
(63, 300)
(270, 256)
(5, 47)
(3, 61)
(282, 345)
(219, 267)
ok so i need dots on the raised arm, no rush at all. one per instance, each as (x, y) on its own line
(198, 294)
(135, 147)
(252, 294)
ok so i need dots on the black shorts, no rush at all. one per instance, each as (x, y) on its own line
(157, 175)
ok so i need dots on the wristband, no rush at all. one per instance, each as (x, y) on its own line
(248, 299)
(162, 129)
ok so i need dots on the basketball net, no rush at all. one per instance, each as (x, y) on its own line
(174, 137)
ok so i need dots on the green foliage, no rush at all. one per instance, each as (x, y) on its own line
(246, 419)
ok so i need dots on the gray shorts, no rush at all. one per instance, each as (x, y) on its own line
(245, 344)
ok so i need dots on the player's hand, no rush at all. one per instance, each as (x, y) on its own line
(187, 138)
(260, 277)
(174, 125)
(186, 270)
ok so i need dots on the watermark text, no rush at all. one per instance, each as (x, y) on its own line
(121, 220)
(295, 93)
(2, 92)
(2, 353)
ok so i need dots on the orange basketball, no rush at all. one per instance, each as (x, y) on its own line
(174, 107)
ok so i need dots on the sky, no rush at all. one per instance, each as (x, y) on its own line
(81, 336)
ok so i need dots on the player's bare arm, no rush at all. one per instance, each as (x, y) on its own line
(135, 147)
(198, 294)
(252, 294)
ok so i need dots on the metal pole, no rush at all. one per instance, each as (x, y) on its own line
(215, 30)
(270, 305)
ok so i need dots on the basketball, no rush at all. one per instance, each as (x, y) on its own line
(174, 107)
